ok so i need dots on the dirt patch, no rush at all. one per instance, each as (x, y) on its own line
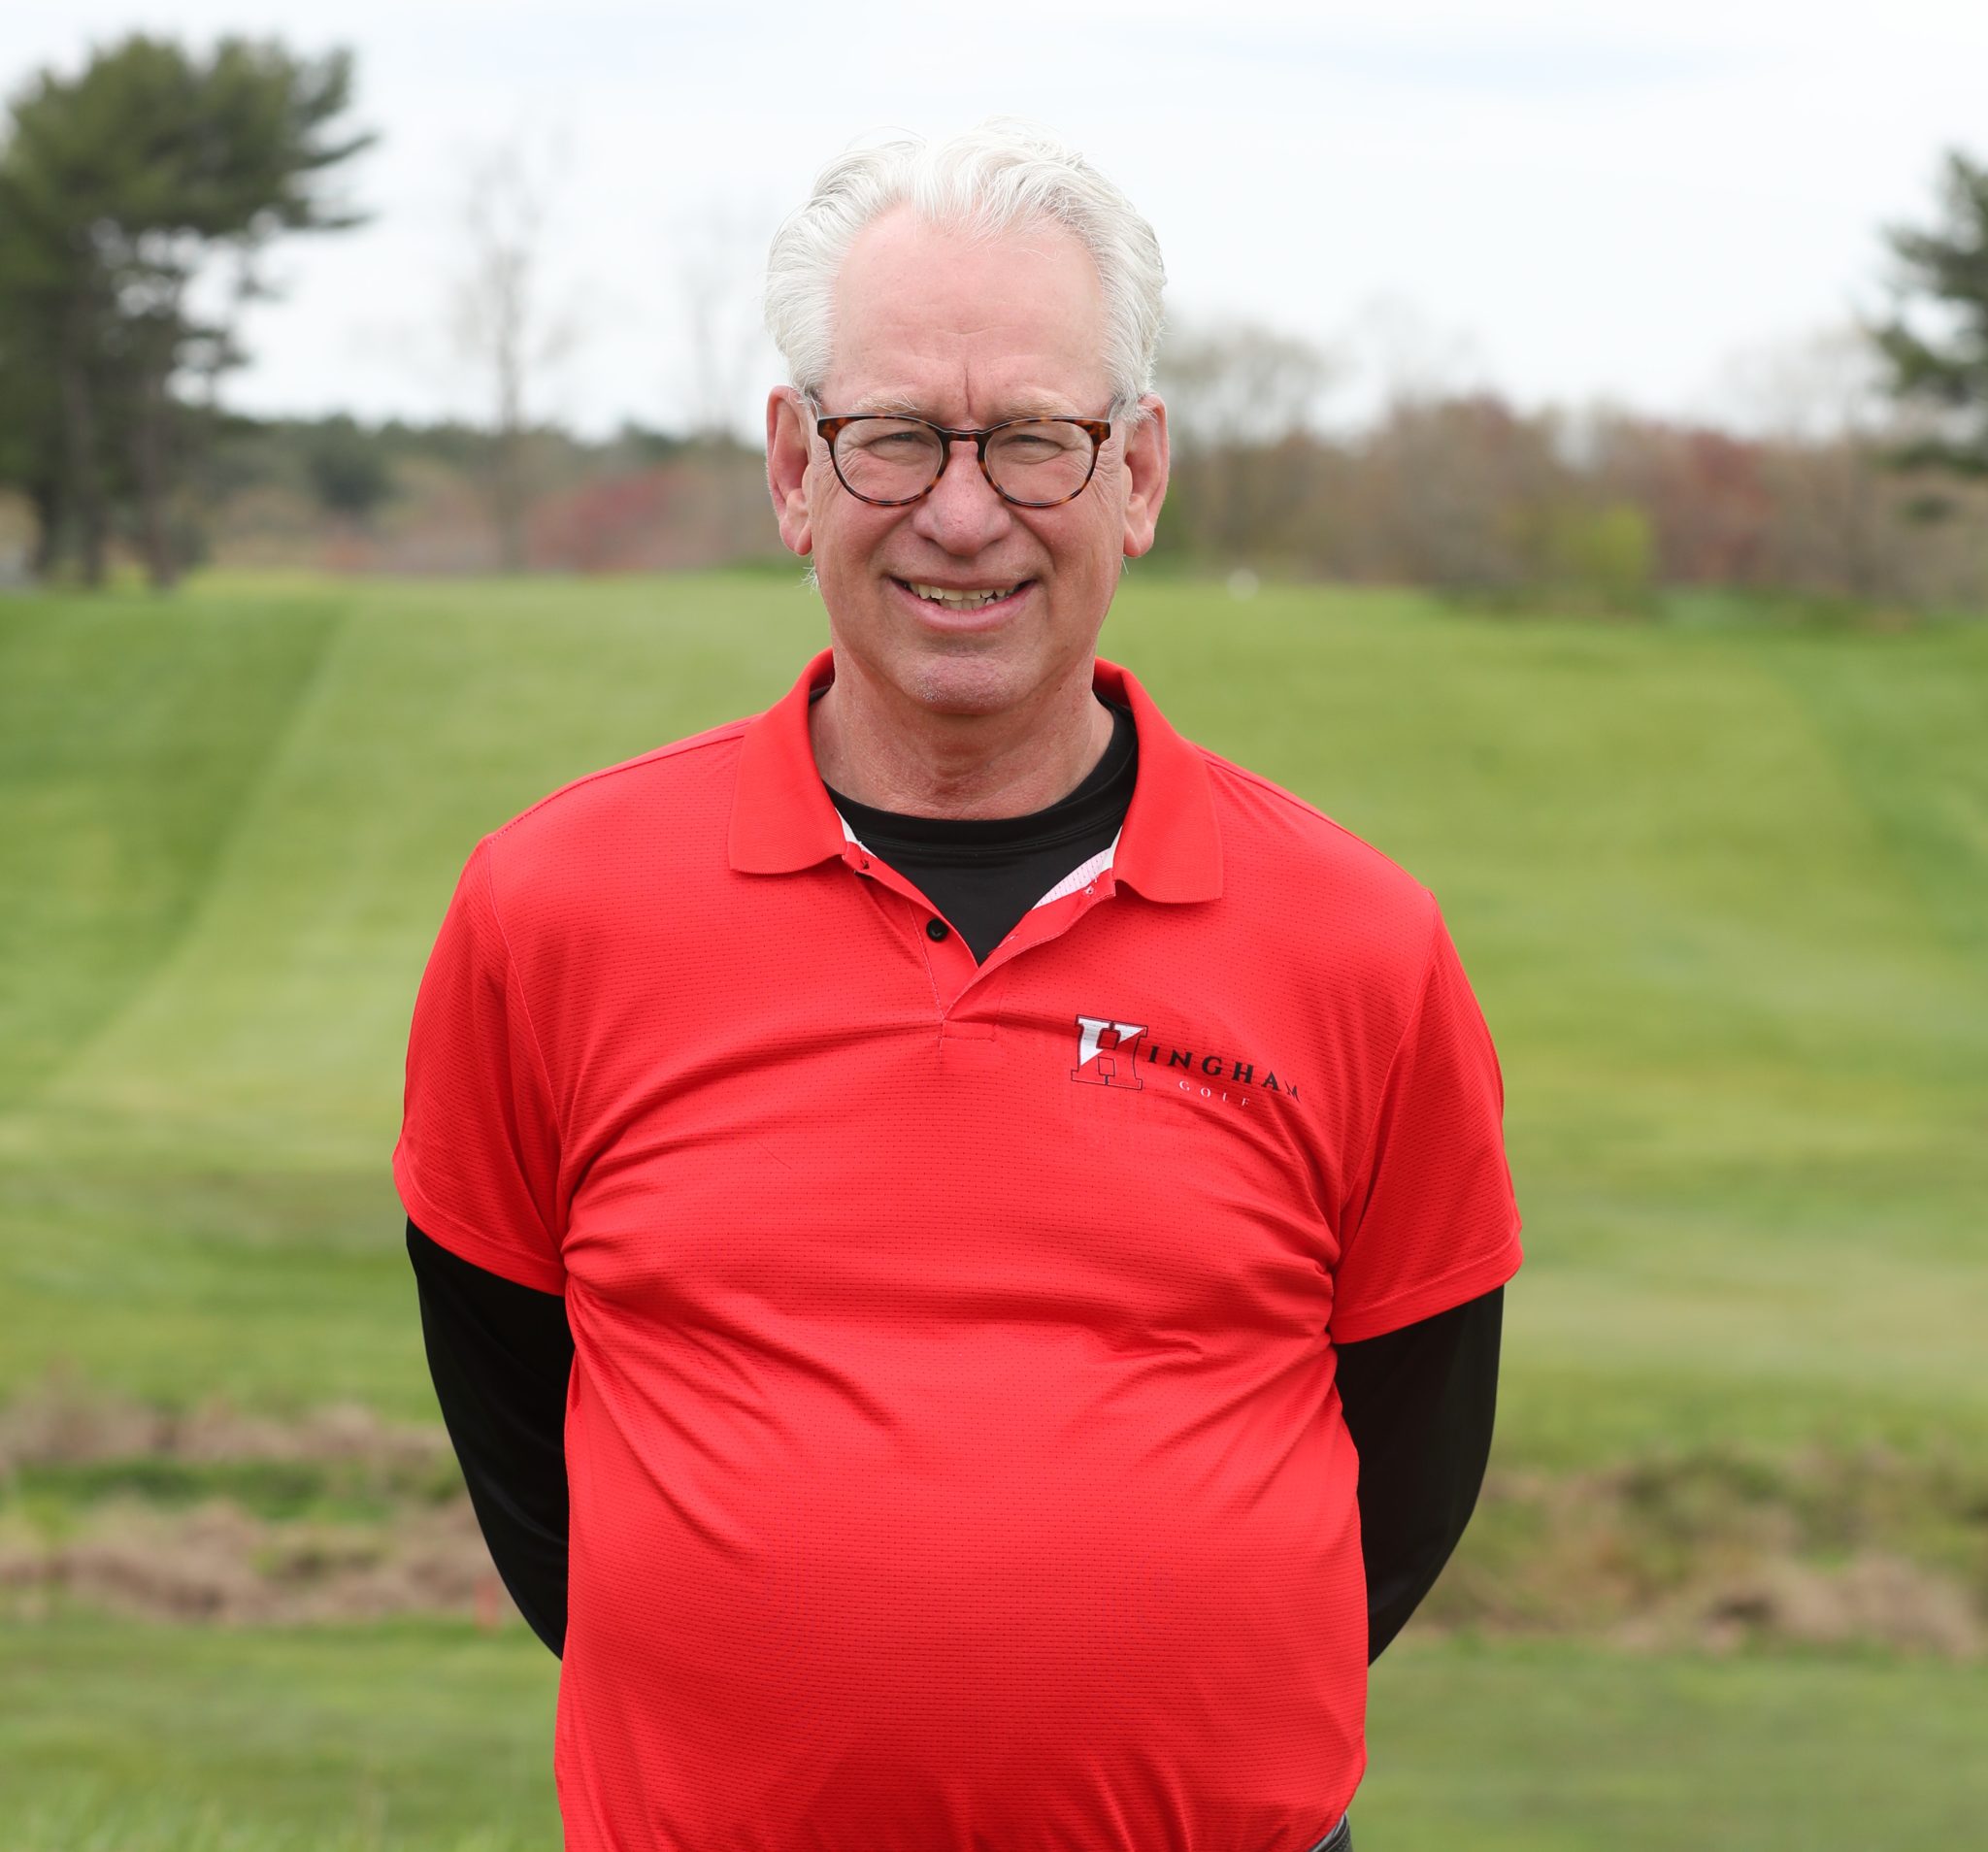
(1882, 1600)
(1719, 1551)
(1709, 1551)
(59, 1425)
(219, 1565)
(217, 1561)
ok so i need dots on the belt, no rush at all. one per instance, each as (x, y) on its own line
(1338, 1839)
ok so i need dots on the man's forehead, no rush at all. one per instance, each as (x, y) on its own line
(1013, 318)
(900, 239)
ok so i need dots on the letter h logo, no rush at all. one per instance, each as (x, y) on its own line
(1107, 1053)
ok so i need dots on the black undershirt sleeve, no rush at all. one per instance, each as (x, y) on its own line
(1418, 1403)
(500, 1354)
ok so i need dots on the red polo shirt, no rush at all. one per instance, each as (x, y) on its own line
(954, 1453)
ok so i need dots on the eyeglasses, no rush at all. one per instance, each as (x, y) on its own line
(891, 462)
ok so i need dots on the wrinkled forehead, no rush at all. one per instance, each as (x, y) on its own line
(964, 326)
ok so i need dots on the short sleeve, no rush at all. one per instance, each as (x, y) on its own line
(478, 1161)
(1430, 1219)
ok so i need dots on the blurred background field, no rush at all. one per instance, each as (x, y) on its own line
(1721, 882)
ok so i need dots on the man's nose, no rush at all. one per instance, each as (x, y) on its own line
(962, 514)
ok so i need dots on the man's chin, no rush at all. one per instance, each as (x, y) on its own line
(964, 680)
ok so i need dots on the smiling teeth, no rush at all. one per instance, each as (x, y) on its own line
(958, 600)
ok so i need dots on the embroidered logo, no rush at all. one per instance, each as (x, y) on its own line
(1111, 1054)
(1107, 1053)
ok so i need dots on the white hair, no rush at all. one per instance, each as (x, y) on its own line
(1005, 172)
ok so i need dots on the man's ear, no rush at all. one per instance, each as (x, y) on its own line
(1145, 472)
(789, 443)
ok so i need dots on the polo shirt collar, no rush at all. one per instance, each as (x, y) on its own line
(1170, 849)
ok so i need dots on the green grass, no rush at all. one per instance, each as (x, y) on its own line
(1723, 893)
(141, 1738)
(422, 1738)
(1553, 1747)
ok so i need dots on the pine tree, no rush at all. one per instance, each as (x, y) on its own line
(1935, 339)
(120, 187)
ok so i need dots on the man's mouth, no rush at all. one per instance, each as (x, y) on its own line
(970, 598)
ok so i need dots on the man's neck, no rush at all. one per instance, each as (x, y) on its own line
(957, 765)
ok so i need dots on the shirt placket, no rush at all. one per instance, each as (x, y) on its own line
(954, 973)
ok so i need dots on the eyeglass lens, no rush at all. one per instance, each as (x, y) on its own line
(893, 460)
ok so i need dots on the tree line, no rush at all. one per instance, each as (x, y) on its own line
(1598, 510)
(1461, 492)
(139, 195)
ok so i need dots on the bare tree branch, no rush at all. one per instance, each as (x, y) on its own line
(501, 319)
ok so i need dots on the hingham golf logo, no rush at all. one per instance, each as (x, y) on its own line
(1111, 1054)
(1107, 1053)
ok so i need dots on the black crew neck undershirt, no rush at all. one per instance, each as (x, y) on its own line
(984, 874)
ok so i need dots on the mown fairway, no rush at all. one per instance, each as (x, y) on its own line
(1724, 898)
(1723, 891)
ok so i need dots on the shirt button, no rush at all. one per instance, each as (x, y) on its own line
(936, 930)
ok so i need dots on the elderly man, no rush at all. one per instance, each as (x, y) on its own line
(994, 1215)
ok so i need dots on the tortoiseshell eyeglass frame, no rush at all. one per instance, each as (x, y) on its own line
(829, 428)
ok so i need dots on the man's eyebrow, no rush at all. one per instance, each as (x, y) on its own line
(1040, 405)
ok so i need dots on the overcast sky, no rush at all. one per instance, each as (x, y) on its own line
(1564, 201)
